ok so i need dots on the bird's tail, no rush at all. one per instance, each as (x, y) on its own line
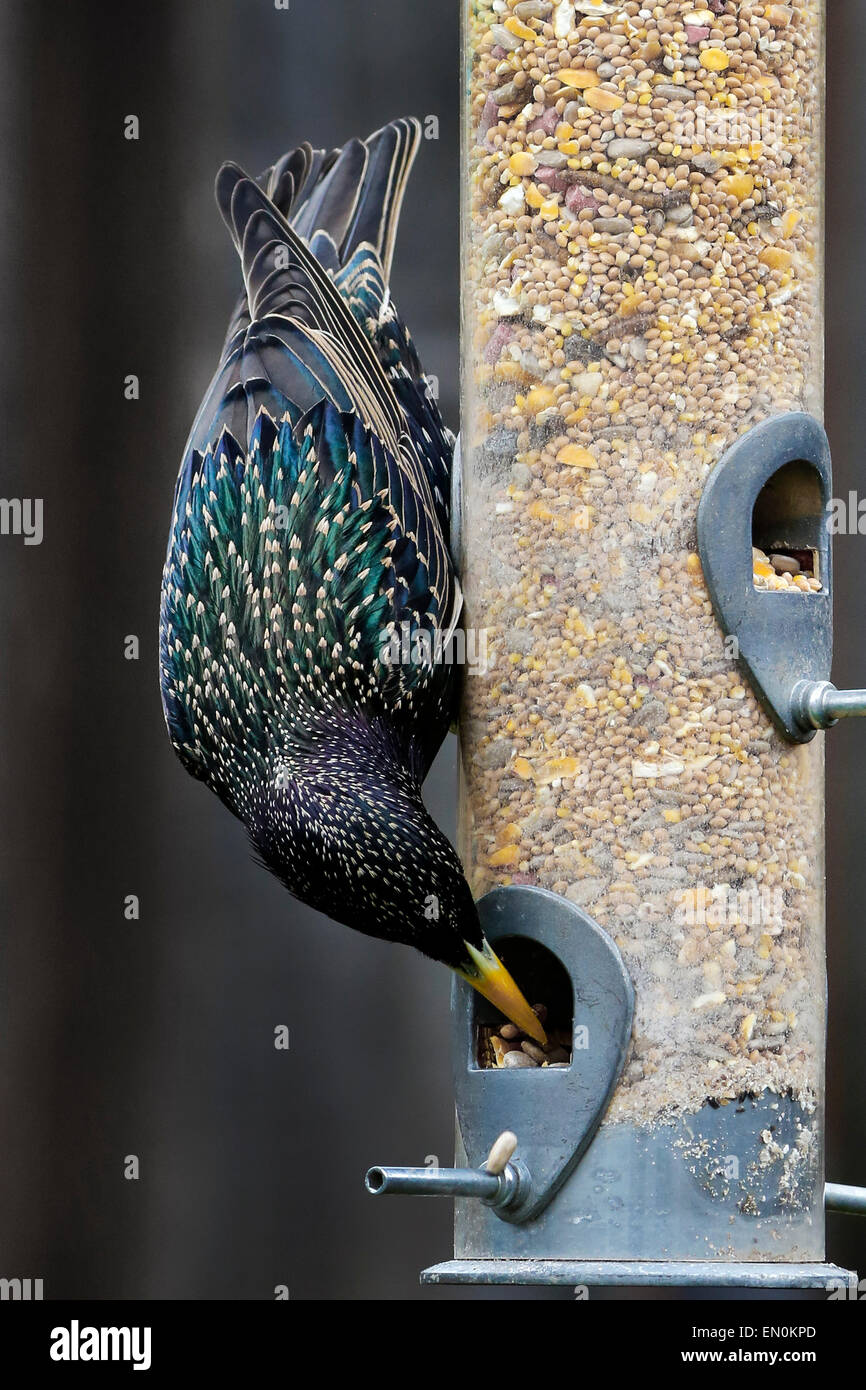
(340, 200)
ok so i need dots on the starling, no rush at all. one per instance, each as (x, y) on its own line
(309, 531)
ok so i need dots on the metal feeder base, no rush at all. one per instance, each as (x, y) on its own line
(671, 1274)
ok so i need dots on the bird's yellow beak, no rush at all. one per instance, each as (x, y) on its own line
(491, 979)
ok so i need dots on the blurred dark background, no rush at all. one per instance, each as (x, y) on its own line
(154, 1037)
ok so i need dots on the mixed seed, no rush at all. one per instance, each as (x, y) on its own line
(782, 572)
(507, 1046)
(643, 228)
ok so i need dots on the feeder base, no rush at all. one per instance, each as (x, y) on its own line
(632, 1273)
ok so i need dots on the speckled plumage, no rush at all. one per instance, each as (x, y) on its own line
(310, 521)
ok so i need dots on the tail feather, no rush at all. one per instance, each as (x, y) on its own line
(390, 155)
(314, 323)
(331, 204)
(352, 195)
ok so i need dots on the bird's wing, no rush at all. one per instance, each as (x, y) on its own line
(318, 368)
(304, 344)
(293, 586)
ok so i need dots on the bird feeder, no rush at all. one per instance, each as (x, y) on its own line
(644, 550)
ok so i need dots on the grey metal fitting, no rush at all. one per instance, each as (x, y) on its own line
(839, 1197)
(508, 1190)
(819, 705)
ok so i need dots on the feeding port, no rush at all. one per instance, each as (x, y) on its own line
(544, 979)
(788, 529)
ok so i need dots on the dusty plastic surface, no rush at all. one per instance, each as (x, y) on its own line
(641, 248)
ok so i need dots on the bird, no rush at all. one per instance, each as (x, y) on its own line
(309, 531)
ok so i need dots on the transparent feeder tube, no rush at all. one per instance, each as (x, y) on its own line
(642, 253)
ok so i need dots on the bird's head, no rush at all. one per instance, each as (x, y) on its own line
(356, 841)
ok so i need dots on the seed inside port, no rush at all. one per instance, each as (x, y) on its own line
(786, 523)
(542, 977)
(786, 570)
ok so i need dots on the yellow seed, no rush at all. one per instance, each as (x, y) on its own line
(562, 767)
(518, 29)
(747, 1026)
(693, 563)
(540, 398)
(673, 817)
(582, 78)
(778, 15)
(522, 768)
(575, 457)
(641, 513)
(715, 59)
(509, 371)
(739, 186)
(650, 51)
(540, 511)
(776, 257)
(509, 854)
(522, 163)
(602, 100)
(633, 304)
(790, 221)
(534, 198)
(509, 833)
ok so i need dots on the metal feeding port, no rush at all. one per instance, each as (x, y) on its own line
(555, 1108)
(764, 544)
